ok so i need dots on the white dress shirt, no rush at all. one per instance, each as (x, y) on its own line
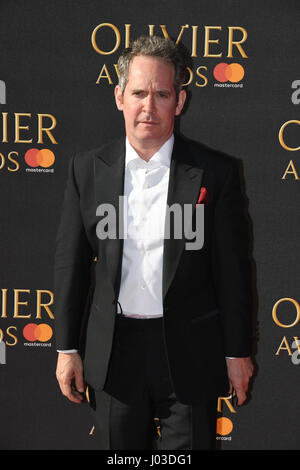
(145, 198)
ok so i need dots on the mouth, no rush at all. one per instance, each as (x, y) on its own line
(149, 123)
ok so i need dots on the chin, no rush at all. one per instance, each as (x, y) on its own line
(149, 135)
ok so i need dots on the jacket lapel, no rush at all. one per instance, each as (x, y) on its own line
(109, 185)
(184, 186)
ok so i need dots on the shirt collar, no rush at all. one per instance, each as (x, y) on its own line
(161, 158)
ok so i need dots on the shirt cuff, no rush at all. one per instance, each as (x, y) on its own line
(67, 351)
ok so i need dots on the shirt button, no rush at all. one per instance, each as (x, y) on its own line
(143, 286)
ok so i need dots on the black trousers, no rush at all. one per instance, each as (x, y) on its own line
(138, 408)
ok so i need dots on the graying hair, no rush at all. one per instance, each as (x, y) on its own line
(154, 46)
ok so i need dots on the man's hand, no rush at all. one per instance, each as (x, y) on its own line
(69, 367)
(240, 370)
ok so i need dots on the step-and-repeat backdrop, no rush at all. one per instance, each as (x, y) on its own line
(57, 76)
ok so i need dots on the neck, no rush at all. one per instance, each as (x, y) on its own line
(146, 150)
(145, 153)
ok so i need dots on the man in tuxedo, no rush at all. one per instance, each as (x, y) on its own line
(168, 325)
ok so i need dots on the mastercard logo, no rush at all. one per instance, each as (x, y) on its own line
(224, 426)
(34, 332)
(229, 72)
(36, 157)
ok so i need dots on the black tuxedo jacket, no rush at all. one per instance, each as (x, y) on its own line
(207, 298)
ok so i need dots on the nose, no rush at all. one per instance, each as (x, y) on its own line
(149, 104)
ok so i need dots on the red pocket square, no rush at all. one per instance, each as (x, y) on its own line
(203, 196)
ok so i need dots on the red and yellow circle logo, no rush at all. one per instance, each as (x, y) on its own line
(36, 157)
(229, 72)
(34, 332)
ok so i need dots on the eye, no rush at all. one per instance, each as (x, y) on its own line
(138, 93)
(162, 94)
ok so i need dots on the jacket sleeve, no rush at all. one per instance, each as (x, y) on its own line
(232, 267)
(72, 267)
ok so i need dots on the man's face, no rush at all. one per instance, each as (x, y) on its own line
(149, 102)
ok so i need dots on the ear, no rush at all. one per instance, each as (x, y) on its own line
(180, 102)
(119, 98)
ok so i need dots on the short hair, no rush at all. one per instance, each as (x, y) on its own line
(154, 46)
